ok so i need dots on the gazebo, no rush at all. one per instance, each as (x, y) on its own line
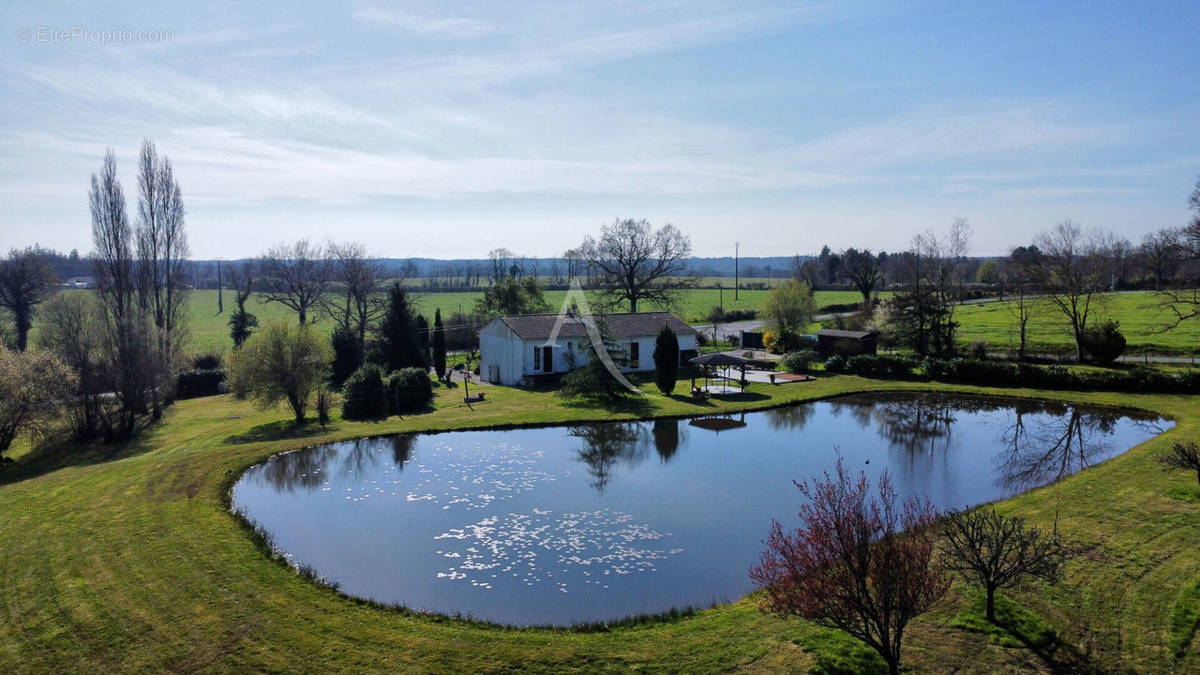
(719, 360)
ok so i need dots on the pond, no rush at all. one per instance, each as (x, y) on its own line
(595, 522)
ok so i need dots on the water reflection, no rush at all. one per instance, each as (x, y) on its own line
(666, 439)
(564, 524)
(604, 445)
(1048, 441)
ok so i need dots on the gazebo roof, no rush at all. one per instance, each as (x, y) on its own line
(718, 359)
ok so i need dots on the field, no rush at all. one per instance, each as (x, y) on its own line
(210, 331)
(127, 558)
(1140, 316)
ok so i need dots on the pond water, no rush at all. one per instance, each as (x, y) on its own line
(596, 522)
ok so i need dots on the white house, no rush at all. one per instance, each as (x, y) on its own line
(515, 350)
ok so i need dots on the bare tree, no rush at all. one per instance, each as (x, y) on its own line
(1020, 277)
(242, 323)
(26, 279)
(295, 276)
(1184, 456)
(500, 260)
(162, 252)
(1072, 274)
(996, 551)
(859, 563)
(356, 301)
(1184, 304)
(73, 328)
(862, 268)
(933, 274)
(806, 271)
(1159, 254)
(128, 345)
(638, 263)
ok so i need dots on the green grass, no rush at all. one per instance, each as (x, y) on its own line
(1015, 626)
(127, 558)
(209, 331)
(1140, 316)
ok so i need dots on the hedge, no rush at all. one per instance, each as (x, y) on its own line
(364, 395)
(200, 382)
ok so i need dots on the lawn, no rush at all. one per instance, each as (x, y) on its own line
(128, 558)
(1140, 316)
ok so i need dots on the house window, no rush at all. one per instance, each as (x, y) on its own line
(537, 358)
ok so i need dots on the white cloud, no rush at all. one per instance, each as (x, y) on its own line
(424, 24)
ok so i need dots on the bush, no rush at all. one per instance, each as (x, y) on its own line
(835, 364)
(1104, 341)
(799, 362)
(881, 366)
(978, 350)
(992, 373)
(718, 315)
(199, 382)
(770, 341)
(409, 389)
(364, 395)
(206, 361)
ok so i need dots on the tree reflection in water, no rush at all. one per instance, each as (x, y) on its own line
(1048, 441)
(666, 438)
(606, 444)
(790, 418)
(308, 469)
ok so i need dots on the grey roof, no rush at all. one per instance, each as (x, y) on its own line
(539, 326)
(852, 334)
(718, 359)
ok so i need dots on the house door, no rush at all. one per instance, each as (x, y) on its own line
(635, 354)
(548, 359)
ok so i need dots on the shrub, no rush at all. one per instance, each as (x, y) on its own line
(206, 361)
(835, 364)
(199, 382)
(409, 389)
(771, 341)
(347, 355)
(1104, 341)
(978, 350)
(364, 395)
(799, 362)
(881, 366)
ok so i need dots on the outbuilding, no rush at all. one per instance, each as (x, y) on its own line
(846, 342)
(517, 349)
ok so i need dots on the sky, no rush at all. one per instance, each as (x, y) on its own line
(448, 129)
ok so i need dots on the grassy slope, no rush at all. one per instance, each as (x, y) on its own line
(134, 563)
(1139, 314)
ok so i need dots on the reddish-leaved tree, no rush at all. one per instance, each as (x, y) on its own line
(860, 563)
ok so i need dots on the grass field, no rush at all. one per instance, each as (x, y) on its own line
(127, 558)
(210, 331)
(1140, 316)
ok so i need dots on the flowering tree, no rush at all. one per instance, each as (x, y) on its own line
(859, 563)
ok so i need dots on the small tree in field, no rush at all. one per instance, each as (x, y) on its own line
(282, 362)
(666, 360)
(788, 309)
(997, 551)
(34, 387)
(858, 563)
(1184, 456)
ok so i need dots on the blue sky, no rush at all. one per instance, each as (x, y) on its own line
(437, 130)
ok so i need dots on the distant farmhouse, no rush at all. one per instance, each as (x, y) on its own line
(513, 349)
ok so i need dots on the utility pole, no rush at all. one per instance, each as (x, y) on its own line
(736, 250)
(220, 297)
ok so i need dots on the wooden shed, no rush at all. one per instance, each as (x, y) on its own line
(846, 342)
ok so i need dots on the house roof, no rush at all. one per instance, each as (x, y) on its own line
(851, 334)
(539, 326)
